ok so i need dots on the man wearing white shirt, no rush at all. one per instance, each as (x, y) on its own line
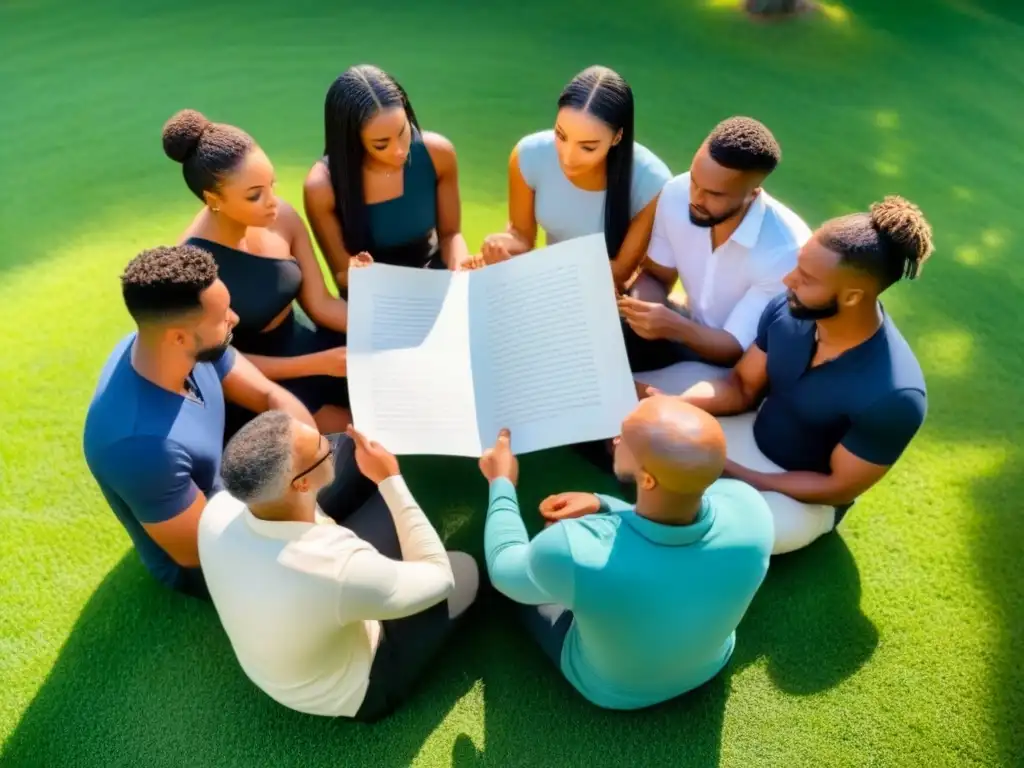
(728, 242)
(328, 619)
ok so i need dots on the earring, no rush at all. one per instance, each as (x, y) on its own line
(214, 210)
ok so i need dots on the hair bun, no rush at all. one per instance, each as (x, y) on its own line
(182, 133)
(905, 226)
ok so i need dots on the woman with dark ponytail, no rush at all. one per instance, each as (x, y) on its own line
(384, 189)
(588, 175)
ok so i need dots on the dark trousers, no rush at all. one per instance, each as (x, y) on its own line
(653, 355)
(407, 646)
(547, 625)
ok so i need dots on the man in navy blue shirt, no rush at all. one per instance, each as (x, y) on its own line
(155, 428)
(841, 394)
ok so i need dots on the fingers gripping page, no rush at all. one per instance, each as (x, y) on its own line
(549, 360)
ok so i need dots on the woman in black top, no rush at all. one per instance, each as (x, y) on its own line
(265, 258)
(383, 186)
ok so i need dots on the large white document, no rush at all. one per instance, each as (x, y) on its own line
(439, 361)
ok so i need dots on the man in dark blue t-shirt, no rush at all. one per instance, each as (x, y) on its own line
(154, 432)
(841, 394)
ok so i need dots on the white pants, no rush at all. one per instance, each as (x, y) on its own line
(796, 524)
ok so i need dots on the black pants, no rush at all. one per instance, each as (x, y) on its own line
(548, 625)
(407, 646)
(653, 355)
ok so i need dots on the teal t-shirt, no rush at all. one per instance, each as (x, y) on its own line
(564, 210)
(655, 607)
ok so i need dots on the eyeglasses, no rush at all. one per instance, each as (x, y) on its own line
(318, 462)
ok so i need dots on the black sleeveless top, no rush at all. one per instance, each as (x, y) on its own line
(403, 230)
(261, 287)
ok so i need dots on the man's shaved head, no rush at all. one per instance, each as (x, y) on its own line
(680, 446)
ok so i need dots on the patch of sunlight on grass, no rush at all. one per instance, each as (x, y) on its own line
(723, 3)
(972, 11)
(468, 730)
(993, 238)
(887, 168)
(946, 353)
(968, 255)
(455, 519)
(885, 118)
(834, 12)
(962, 193)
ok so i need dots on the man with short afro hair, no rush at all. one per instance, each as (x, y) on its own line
(728, 241)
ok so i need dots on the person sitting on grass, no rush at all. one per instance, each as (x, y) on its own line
(154, 431)
(635, 605)
(841, 394)
(383, 189)
(727, 240)
(586, 176)
(328, 619)
(265, 257)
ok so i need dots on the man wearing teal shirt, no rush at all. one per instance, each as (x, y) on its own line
(639, 604)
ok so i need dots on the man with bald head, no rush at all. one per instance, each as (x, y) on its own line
(635, 604)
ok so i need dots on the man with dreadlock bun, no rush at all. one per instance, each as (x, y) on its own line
(837, 390)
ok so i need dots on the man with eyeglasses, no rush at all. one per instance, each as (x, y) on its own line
(335, 617)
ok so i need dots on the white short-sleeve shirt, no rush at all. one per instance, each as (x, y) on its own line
(727, 288)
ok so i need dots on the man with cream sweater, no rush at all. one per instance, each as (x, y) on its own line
(335, 618)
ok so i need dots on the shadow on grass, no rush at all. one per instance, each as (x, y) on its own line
(811, 639)
(148, 678)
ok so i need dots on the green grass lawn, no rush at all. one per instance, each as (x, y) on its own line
(898, 642)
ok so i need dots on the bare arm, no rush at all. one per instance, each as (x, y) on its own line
(454, 250)
(638, 238)
(282, 368)
(848, 477)
(876, 439)
(153, 476)
(521, 234)
(246, 386)
(738, 392)
(318, 200)
(323, 308)
(712, 344)
(655, 320)
(178, 537)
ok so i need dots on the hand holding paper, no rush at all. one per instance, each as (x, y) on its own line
(440, 361)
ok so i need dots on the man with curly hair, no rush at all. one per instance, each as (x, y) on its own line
(727, 240)
(154, 432)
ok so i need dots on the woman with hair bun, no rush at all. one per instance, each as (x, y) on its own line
(265, 258)
(588, 175)
(383, 188)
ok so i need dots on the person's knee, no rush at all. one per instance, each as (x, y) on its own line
(797, 525)
(467, 583)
